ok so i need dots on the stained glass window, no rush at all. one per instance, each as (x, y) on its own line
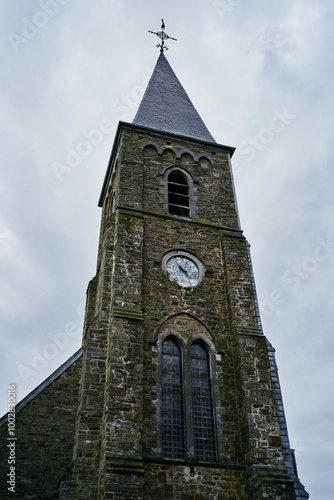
(172, 401)
(202, 405)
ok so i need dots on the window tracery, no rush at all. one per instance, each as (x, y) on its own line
(188, 424)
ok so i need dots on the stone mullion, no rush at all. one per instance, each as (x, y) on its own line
(188, 408)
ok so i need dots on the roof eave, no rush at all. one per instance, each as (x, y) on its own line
(51, 378)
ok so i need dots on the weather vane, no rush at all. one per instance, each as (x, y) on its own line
(163, 36)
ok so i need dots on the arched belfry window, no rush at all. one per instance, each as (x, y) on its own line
(202, 405)
(172, 401)
(178, 194)
(188, 423)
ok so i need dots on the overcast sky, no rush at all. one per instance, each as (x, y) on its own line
(260, 74)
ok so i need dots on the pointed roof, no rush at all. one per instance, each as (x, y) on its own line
(166, 106)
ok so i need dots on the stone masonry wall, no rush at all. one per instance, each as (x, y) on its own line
(118, 442)
(45, 438)
(192, 483)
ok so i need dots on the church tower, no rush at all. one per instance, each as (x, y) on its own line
(179, 393)
(175, 392)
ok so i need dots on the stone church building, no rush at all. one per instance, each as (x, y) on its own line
(175, 392)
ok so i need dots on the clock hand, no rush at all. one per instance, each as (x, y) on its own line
(183, 270)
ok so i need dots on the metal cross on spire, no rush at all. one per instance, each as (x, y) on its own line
(163, 36)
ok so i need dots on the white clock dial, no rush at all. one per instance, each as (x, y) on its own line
(183, 268)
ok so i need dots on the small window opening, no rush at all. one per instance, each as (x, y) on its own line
(178, 194)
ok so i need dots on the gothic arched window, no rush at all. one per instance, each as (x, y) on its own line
(172, 401)
(178, 194)
(188, 424)
(202, 405)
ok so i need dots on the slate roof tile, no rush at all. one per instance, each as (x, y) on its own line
(166, 106)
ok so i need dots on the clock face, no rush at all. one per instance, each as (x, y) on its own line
(183, 268)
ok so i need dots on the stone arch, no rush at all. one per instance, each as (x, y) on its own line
(187, 331)
(168, 153)
(183, 153)
(187, 159)
(187, 328)
(165, 334)
(150, 145)
(192, 189)
(178, 153)
(185, 171)
(203, 155)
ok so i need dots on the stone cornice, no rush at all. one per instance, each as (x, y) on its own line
(236, 233)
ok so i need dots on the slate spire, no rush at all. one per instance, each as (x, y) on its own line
(166, 106)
